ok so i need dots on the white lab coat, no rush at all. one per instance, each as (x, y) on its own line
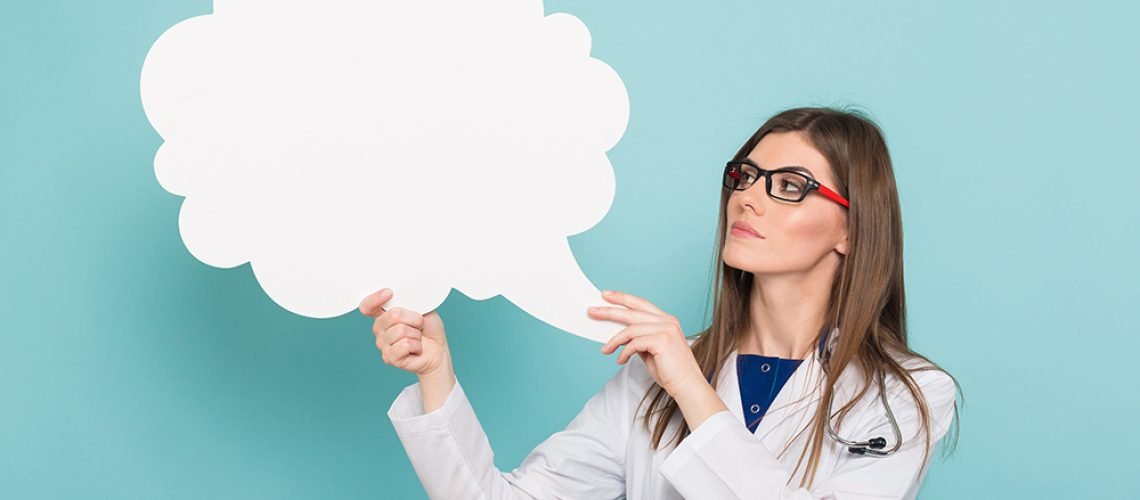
(605, 451)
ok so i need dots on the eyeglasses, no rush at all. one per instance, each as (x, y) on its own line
(791, 184)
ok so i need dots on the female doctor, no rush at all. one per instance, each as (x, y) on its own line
(802, 387)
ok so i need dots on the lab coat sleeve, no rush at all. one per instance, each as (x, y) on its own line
(451, 455)
(721, 459)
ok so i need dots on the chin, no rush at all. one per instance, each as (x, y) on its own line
(732, 260)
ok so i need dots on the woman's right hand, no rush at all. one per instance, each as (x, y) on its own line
(408, 340)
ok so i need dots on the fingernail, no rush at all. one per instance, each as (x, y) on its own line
(592, 309)
(607, 292)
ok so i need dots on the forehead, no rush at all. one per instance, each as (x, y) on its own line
(784, 149)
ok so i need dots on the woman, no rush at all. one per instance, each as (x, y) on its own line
(809, 321)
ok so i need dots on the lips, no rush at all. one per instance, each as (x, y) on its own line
(743, 226)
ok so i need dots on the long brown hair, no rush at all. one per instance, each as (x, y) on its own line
(867, 300)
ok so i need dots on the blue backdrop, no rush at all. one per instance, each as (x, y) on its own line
(130, 370)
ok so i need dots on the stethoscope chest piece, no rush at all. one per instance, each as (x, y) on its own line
(872, 447)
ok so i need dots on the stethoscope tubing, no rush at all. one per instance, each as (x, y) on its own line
(871, 447)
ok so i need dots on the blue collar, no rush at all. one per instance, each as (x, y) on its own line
(822, 345)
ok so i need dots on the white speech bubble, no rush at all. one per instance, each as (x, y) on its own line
(348, 145)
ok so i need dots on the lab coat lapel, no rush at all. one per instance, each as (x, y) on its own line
(795, 397)
(793, 405)
(728, 388)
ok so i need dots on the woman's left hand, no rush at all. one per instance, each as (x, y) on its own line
(655, 336)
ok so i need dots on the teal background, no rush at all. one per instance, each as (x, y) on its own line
(130, 370)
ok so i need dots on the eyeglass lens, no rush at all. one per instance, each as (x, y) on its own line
(783, 185)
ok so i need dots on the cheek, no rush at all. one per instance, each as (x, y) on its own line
(807, 229)
(811, 234)
(797, 239)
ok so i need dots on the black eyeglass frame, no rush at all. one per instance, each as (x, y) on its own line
(812, 184)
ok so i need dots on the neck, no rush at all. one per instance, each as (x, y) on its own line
(787, 312)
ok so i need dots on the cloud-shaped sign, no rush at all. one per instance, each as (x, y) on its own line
(341, 146)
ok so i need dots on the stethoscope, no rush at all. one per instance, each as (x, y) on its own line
(874, 446)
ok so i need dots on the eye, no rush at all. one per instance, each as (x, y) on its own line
(792, 185)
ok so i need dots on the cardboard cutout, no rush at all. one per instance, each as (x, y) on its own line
(344, 146)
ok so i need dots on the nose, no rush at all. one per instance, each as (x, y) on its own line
(753, 198)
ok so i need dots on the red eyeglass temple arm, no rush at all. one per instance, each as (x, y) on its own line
(833, 195)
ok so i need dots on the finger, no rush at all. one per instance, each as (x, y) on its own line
(412, 341)
(397, 332)
(390, 353)
(629, 333)
(407, 346)
(395, 354)
(643, 344)
(415, 346)
(370, 306)
(623, 315)
(631, 301)
(398, 315)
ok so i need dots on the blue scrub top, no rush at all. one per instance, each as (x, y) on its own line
(761, 378)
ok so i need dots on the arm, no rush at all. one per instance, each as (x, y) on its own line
(435, 387)
(721, 459)
(453, 458)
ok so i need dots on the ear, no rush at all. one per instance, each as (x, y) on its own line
(841, 247)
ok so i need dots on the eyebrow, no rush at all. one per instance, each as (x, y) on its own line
(797, 168)
(800, 169)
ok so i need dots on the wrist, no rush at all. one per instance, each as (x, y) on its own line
(697, 402)
(442, 372)
(436, 385)
(694, 383)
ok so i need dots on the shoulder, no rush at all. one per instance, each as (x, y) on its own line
(939, 390)
(933, 381)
